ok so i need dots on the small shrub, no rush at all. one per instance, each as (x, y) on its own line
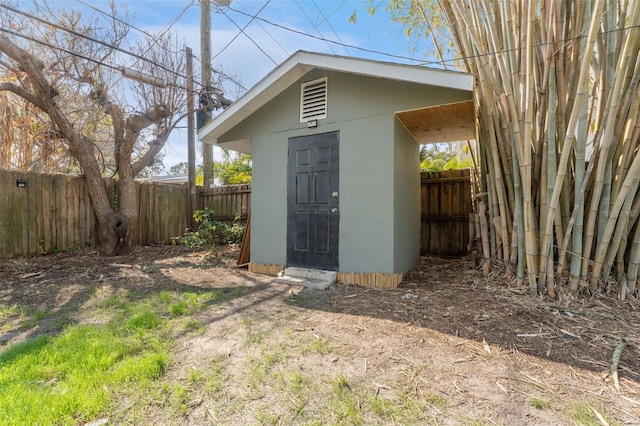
(210, 231)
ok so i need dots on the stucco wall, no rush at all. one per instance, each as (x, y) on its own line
(377, 171)
(269, 200)
(406, 218)
(366, 202)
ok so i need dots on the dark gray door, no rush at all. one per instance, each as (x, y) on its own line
(313, 213)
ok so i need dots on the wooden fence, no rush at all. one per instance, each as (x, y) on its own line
(446, 205)
(44, 213)
(227, 202)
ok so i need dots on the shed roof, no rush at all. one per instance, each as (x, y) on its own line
(302, 62)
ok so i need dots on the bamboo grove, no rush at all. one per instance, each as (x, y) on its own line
(558, 100)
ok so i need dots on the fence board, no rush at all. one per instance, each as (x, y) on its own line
(47, 213)
(70, 215)
(37, 190)
(446, 204)
(10, 230)
(32, 217)
(4, 213)
(21, 207)
(81, 212)
(60, 196)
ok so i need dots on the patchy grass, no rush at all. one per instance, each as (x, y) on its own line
(170, 342)
(346, 404)
(215, 378)
(585, 414)
(538, 403)
(72, 377)
(318, 345)
(79, 374)
(9, 311)
(9, 314)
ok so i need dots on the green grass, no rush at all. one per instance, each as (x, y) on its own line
(9, 311)
(318, 345)
(538, 403)
(8, 314)
(83, 372)
(265, 417)
(583, 414)
(404, 409)
(259, 367)
(346, 404)
(216, 378)
(151, 269)
(251, 337)
(69, 378)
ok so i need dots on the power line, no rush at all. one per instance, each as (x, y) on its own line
(267, 33)
(422, 62)
(217, 71)
(182, 12)
(329, 23)
(391, 55)
(546, 43)
(62, 49)
(128, 24)
(77, 34)
(115, 67)
(69, 52)
(247, 35)
(315, 27)
(236, 82)
(159, 36)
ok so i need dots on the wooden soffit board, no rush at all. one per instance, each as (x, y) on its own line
(442, 123)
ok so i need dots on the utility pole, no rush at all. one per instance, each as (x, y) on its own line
(205, 55)
(192, 201)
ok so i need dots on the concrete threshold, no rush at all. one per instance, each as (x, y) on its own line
(311, 278)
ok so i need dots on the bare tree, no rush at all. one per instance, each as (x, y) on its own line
(71, 70)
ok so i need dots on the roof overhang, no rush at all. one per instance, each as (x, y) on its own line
(441, 123)
(300, 63)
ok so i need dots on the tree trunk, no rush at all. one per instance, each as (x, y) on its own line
(111, 224)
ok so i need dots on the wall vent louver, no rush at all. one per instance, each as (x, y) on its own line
(313, 100)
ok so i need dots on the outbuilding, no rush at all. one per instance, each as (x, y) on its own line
(335, 146)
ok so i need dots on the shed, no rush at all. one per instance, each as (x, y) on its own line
(335, 146)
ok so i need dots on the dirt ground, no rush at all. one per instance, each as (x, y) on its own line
(493, 353)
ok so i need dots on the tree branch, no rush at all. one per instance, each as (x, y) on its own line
(155, 146)
(154, 114)
(30, 64)
(25, 94)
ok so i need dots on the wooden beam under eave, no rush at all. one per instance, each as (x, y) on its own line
(442, 123)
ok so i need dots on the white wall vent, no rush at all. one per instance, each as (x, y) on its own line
(313, 100)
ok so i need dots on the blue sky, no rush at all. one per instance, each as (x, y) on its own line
(242, 58)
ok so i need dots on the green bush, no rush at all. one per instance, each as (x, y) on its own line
(210, 231)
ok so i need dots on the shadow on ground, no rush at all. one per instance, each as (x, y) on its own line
(450, 296)
(444, 295)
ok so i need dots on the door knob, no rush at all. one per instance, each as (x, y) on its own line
(334, 210)
(335, 194)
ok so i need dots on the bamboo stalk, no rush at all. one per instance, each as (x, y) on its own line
(615, 361)
(542, 94)
(484, 232)
(571, 128)
(621, 206)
